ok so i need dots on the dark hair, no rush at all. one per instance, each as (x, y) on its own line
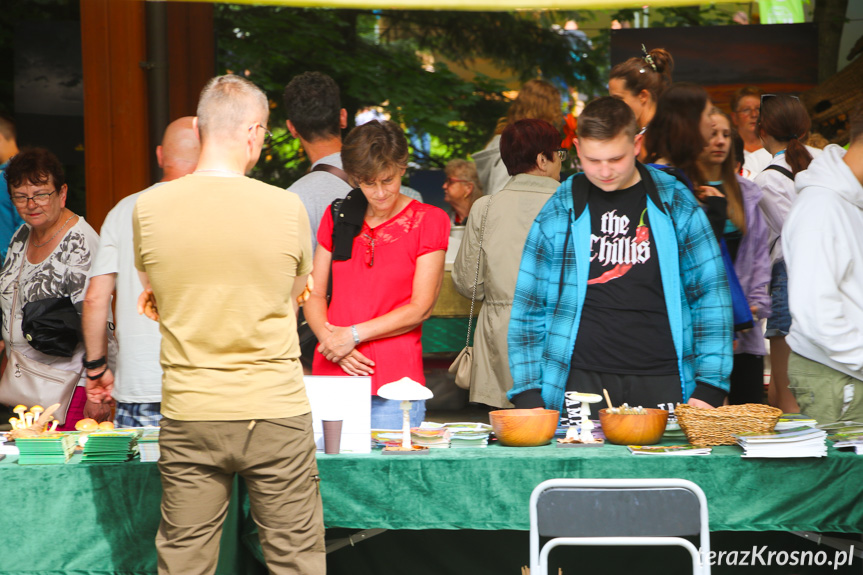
(855, 124)
(313, 105)
(738, 147)
(34, 166)
(785, 119)
(741, 93)
(7, 127)
(674, 133)
(373, 148)
(536, 99)
(604, 118)
(638, 74)
(522, 141)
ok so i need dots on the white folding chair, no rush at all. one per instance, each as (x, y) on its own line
(611, 512)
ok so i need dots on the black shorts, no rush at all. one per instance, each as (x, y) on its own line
(658, 391)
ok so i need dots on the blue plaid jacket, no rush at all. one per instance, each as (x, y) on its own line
(552, 283)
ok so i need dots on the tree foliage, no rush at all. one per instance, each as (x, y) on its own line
(384, 58)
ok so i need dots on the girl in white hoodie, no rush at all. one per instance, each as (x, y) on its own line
(823, 245)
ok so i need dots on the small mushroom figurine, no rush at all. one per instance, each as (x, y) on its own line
(405, 390)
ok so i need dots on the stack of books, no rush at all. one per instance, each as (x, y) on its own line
(845, 435)
(430, 435)
(468, 434)
(44, 450)
(110, 446)
(792, 420)
(148, 444)
(802, 441)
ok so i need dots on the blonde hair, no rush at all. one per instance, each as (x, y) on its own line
(227, 104)
(465, 170)
(538, 100)
(733, 195)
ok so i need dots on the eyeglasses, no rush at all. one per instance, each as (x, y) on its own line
(267, 134)
(748, 111)
(370, 250)
(451, 181)
(38, 199)
(561, 153)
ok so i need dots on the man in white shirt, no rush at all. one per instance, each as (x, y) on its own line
(137, 388)
(822, 241)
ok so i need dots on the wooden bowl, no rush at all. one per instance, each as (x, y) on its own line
(634, 429)
(524, 427)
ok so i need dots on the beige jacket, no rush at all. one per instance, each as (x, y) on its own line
(510, 216)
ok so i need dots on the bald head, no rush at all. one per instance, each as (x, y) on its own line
(178, 154)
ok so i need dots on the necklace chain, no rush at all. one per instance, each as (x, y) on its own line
(63, 227)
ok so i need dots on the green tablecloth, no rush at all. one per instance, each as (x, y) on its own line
(91, 518)
(102, 518)
(490, 488)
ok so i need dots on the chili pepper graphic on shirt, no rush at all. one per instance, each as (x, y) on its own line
(616, 248)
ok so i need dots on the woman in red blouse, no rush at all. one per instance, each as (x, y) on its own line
(386, 256)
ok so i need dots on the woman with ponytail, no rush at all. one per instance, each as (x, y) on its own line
(783, 126)
(640, 81)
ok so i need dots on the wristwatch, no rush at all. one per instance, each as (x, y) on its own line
(356, 334)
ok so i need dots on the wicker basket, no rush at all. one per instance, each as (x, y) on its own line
(718, 426)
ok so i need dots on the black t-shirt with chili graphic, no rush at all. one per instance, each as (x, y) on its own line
(624, 323)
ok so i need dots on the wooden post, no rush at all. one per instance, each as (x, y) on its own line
(116, 141)
(117, 145)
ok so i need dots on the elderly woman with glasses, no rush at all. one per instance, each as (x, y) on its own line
(490, 253)
(49, 257)
(385, 256)
(461, 189)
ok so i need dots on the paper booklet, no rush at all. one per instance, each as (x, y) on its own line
(669, 449)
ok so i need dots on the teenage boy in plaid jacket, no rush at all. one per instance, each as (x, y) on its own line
(621, 285)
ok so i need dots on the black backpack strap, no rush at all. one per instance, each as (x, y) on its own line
(337, 172)
(784, 171)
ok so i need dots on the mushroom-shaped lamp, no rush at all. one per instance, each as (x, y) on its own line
(405, 390)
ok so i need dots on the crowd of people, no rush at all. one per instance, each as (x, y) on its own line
(646, 275)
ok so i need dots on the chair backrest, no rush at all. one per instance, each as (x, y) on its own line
(615, 508)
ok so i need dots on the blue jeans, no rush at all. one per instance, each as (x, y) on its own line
(779, 322)
(387, 414)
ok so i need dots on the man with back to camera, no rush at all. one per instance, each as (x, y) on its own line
(316, 118)
(137, 388)
(225, 257)
(621, 285)
(9, 218)
(822, 241)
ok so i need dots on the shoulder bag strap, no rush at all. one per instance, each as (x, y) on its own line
(15, 292)
(337, 172)
(784, 171)
(476, 275)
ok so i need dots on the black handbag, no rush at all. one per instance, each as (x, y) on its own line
(52, 326)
